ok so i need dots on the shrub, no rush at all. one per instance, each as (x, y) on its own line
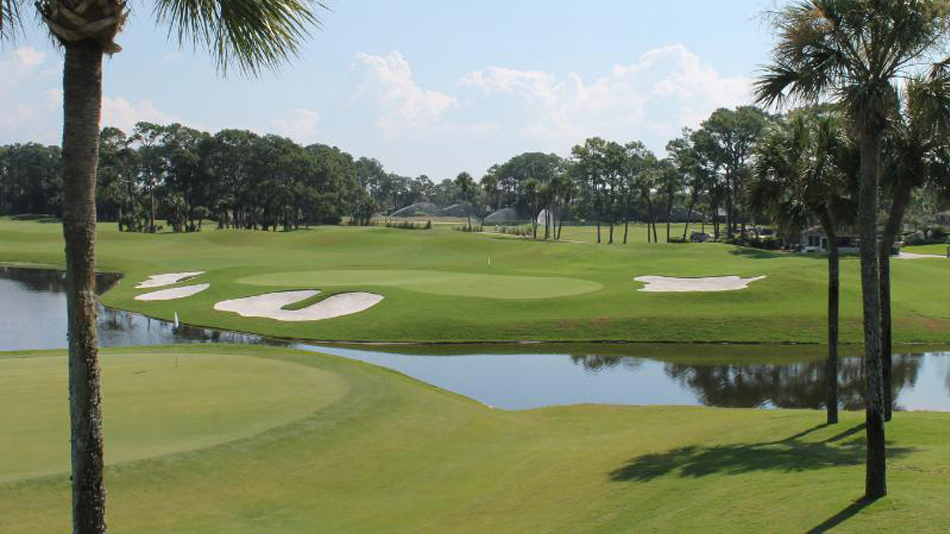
(516, 230)
(764, 243)
(408, 225)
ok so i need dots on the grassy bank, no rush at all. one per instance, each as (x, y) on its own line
(349, 447)
(439, 286)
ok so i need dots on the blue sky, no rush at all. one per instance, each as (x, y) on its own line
(430, 87)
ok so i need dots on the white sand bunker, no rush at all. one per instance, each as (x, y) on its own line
(159, 280)
(915, 256)
(666, 284)
(270, 305)
(173, 293)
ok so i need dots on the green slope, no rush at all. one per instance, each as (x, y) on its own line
(382, 452)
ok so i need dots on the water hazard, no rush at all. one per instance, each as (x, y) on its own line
(33, 315)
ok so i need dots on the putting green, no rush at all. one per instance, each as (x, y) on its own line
(436, 282)
(154, 404)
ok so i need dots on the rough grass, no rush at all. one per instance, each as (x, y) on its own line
(788, 306)
(388, 453)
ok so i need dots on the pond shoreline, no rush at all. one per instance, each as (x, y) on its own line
(456, 343)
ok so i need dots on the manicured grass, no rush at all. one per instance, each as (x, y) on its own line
(434, 282)
(636, 233)
(438, 285)
(155, 404)
(938, 249)
(378, 451)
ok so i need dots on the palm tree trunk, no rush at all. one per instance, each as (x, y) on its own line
(82, 102)
(876, 468)
(560, 219)
(831, 365)
(599, 209)
(534, 220)
(547, 222)
(729, 214)
(894, 220)
(689, 215)
(886, 339)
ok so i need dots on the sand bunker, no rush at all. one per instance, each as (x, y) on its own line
(173, 293)
(159, 280)
(913, 256)
(665, 284)
(270, 305)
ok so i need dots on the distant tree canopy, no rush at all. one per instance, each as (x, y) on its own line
(184, 176)
(176, 176)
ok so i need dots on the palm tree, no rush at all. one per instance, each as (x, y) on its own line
(532, 190)
(801, 172)
(248, 34)
(466, 186)
(853, 51)
(917, 150)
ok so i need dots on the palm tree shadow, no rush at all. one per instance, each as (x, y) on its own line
(850, 511)
(786, 455)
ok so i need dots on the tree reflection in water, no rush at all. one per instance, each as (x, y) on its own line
(52, 280)
(793, 385)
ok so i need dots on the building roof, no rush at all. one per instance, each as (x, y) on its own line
(818, 230)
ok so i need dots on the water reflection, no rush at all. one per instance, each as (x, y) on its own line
(33, 315)
(790, 385)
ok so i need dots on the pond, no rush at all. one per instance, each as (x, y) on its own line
(516, 376)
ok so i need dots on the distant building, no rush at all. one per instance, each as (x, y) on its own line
(814, 239)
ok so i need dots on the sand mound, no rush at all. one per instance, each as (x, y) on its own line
(667, 284)
(159, 280)
(270, 305)
(173, 293)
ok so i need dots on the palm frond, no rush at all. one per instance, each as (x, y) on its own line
(10, 22)
(249, 34)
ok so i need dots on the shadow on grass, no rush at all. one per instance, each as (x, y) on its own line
(786, 455)
(850, 511)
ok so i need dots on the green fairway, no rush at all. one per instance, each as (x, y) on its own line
(343, 446)
(435, 282)
(155, 405)
(937, 249)
(438, 285)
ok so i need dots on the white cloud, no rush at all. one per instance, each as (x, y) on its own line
(21, 63)
(404, 104)
(664, 89)
(122, 114)
(28, 57)
(301, 125)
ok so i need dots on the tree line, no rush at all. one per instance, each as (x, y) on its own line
(184, 176)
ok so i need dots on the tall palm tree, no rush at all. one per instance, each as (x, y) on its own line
(248, 34)
(532, 190)
(917, 148)
(466, 186)
(852, 51)
(801, 172)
